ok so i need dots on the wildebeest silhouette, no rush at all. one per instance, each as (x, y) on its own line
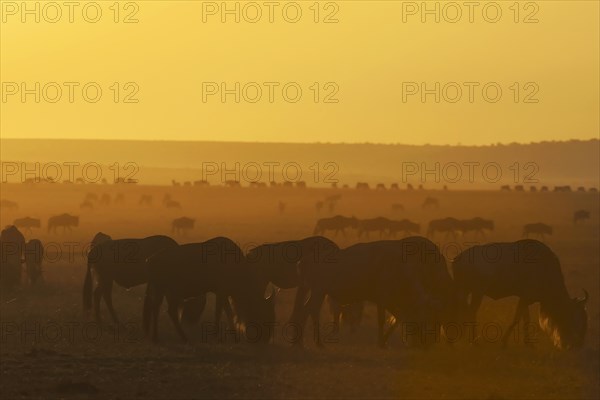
(394, 186)
(405, 227)
(9, 205)
(105, 199)
(187, 184)
(12, 243)
(276, 263)
(201, 183)
(544, 189)
(91, 197)
(593, 190)
(27, 223)
(379, 224)
(565, 188)
(581, 189)
(122, 261)
(407, 277)
(580, 215)
(380, 186)
(192, 270)
(527, 269)
(99, 238)
(533, 189)
(182, 225)
(505, 188)
(301, 185)
(119, 198)
(287, 184)
(86, 205)
(34, 254)
(519, 188)
(397, 207)
(338, 224)
(409, 187)
(145, 200)
(362, 185)
(539, 229)
(233, 184)
(477, 225)
(451, 226)
(67, 221)
(431, 202)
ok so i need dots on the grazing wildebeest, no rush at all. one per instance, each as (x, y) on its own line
(407, 277)
(64, 220)
(544, 189)
(431, 202)
(350, 314)
(529, 270)
(449, 225)
(27, 223)
(11, 250)
(593, 190)
(538, 229)
(192, 270)
(477, 225)
(9, 205)
(580, 215)
(404, 226)
(362, 185)
(86, 205)
(581, 189)
(276, 263)
(379, 224)
(337, 224)
(145, 200)
(34, 254)
(182, 225)
(122, 261)
(565, 188)
(409, 187)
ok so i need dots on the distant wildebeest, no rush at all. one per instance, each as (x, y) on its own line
(91, 197)
(431, 202)
(192, 270)
(233, 184)
(538, 229)
(281, 207)
(379, 224)
(201, 183)
(105, 199)
(579, 215)
(362, 185)
(301, 185)
(380, 186)
(477, 225)
(276, 263)
(394, 186)
(581, 189)
(404, 226)
(172, 204)
(182, 225)
(397, 207)
(187, 184)
(593, 190)
(505, 188)
(175, 183)
(519, 188)
(421, 187)
(122, 261)
(450, 226)
(27, 223)
(544, 189)
(527, 269)
(337, 224)
(407, 277)
(86, 205)
(319, 206)
(565, 188)
(533, 189)
(333, 198)
(287, 184)
(12, 243)
(34, 254)
(119, 198)
(409, 187)
(145, 200)
(9, 205)
(67, 221)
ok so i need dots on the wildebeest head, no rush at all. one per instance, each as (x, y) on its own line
(567, 323)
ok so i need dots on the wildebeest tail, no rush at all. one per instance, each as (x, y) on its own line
(87, 288)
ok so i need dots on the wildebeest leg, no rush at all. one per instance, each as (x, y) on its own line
(228, 313)
(476, 299)
(521, 308)
(298, 304)
(157, 302)
(97, 298)
(381, 338)
(174, 314)
(526, 322)
(107, 294)
(314, 307)
(218, 312)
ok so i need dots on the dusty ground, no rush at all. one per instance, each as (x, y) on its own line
(49, 350)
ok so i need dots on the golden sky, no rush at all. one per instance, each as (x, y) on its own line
(369, 61)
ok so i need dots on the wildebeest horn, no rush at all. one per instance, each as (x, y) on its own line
(272, 296)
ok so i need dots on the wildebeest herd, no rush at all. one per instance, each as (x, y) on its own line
(407, 278)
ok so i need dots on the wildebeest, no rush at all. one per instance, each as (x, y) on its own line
(105, 199)
(350, 314)
(34, 254)
(276, 263)
(505, 188)
(477, 225)
(319, 206)
(11, 250)
(192, 270)
(27, 223)
(527, 269)
(448, 225)
(538, 229)
(519, 188)
(91, 197)
(338, 224)
(404, 226)
(145, 200)
(172, 204)
(64, 220)
(362, 185)
(99, 238)
(580, 215)
(119, 198)
(380, 186)
(9, 204)
(122, 261)
(182, 225)
(407, 277)
(565, 188)
(379, 224)
(430, 202)
(86, 205)
(233, 184)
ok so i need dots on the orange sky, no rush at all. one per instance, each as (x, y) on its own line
(369, 67)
